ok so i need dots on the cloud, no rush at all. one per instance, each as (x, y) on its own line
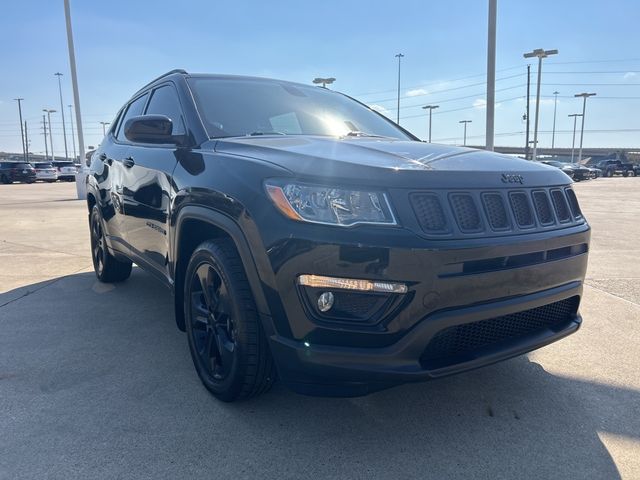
(379, 109)
(417, 92)
(629, 75)
(480, 103)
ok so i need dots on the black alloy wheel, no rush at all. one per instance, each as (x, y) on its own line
(226, 341)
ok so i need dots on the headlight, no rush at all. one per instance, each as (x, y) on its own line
(330, 205)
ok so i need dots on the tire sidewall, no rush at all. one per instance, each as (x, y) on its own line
(228, 388)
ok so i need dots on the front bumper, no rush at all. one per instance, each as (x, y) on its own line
(451, 283)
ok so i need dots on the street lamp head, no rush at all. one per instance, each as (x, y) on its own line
(399, 55)
(58, 74)
(584, 95)
(465, 121)
(556, 92)
(47, 110)
(430, 107)
(575, 115)
(540, 53)
(324, 81)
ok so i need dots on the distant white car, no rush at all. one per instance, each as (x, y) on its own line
(46, 172)
(66, 170)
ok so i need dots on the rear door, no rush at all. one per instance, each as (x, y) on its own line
(109, 171)
(147, 188)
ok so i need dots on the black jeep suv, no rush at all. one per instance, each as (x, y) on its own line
(308, 237)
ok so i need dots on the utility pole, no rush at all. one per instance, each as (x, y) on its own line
(464, 143)
(104, 124)
(64, 128)
(81, 189)
(399, 57)
(584, 96)
(44, 132)
(491, 75)
(555, 107)
(24, 151)
(526, 146)
(49, 112)
(540, 53)
(573, 143)
(431, 108)
(26, 141)
(73, 136)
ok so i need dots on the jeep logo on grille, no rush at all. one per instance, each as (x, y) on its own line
(508, 178)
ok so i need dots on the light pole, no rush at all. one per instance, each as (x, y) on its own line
(491, 74)
(64, 127)
(324, 81)
(44, 132)
(104, 124)
(584, 96)
(540, 53)
(81, 189)
(73, 136)
(464, 143)
(431, 108)
(399, 57)
(555, 106)
(24, 150)
(49, 112)
(573, 142)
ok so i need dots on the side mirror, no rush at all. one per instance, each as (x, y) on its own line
(149, 129)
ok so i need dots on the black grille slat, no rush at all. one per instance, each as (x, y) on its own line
(448, 345)
(560, 205)
(543, 207)
(521, 209)
(429, 212)
(496, 211)
(573, 203)
(466, 212)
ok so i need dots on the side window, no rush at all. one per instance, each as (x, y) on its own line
(164, 101)
(135, 108)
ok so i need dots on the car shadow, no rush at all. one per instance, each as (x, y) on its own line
(112, 357)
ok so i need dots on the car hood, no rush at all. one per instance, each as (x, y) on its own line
(390, 162)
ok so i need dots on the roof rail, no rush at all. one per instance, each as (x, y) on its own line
(175, 70)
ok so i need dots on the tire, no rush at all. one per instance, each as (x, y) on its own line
(625, 173)
(228, 346)
(108, 268)
(4, 179)
(609, 173)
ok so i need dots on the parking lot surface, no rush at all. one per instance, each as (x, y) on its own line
(96, 381)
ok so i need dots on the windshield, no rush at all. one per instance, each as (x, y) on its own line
(21, 165)
(238, 107)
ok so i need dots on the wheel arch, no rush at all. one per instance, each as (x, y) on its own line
(195, 224)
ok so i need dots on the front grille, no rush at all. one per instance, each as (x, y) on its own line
(543, 207)
(466, 212)
(495, 213)
(560, 205)
(429, 212)
(521, 209)
(460, 342)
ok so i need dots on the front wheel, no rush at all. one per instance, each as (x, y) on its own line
(108, 268)
(227, 344)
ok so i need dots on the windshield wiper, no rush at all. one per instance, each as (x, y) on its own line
(356, 133)
(253, 134)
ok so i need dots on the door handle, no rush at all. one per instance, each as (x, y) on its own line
(128, 162)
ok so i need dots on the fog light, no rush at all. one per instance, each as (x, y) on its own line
(325, 301)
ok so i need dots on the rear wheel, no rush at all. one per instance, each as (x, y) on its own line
(609, 173)
(108, 268)
(227, 344)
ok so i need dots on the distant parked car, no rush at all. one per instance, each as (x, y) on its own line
(46, 172)
(565, 167)
(617, 167)
(594, 171)
(575, 171)
(66, 170)
(17, 172)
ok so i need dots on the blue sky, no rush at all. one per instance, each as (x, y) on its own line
(120, 45)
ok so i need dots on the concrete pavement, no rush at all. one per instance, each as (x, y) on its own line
(96, 381)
